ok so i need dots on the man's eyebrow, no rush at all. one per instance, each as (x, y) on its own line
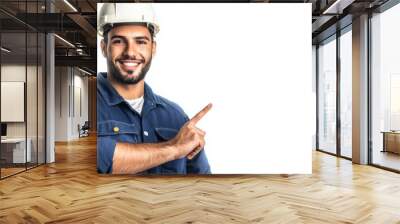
(136, 38)
(142, 37)
(117, 36)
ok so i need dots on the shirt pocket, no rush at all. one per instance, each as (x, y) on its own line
(165, 134)
(118, 131)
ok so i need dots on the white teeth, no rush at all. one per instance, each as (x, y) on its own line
(130, 64)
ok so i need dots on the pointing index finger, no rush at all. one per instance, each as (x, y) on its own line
(196, 118)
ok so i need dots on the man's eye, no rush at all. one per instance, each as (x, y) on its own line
(117, 41)
(141, 42)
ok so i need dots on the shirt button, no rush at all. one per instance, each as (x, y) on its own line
(146, 133)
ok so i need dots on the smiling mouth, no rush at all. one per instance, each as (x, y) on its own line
(129, 65)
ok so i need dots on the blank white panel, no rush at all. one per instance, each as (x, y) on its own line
(253, 62)
(12, 101)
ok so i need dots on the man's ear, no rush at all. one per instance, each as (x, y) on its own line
(154, 50)
(103, 47)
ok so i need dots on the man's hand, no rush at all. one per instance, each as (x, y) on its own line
(133, 158)
(190, 139)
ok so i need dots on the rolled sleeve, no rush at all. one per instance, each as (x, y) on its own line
(105, 154)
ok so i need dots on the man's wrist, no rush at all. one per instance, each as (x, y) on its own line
(172, 150)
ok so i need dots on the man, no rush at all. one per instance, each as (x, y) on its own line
(139, 131)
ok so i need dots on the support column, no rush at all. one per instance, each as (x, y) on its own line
(360, 90)
(50, 92)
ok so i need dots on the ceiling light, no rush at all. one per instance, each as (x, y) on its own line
(5, 50)
(338, 6)
(64, 40)
(70, 5)
(84, 71)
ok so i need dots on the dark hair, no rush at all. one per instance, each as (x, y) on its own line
(108, 27)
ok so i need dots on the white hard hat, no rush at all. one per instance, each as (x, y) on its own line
(115, 13)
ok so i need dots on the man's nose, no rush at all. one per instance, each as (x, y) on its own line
(131, 49)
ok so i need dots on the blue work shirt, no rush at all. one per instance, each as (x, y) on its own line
(159, 121)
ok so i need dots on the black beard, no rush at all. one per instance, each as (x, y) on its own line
(117, 76)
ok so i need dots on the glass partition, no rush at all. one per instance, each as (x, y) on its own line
(41, 87)
(327, 96)
(14, 153)
(346, 93)
(385, 89)
(31, 97)
(22, 89)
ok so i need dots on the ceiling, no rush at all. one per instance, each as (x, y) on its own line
(75, 22)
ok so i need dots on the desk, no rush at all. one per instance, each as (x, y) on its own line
(15, 148)
(391, 141)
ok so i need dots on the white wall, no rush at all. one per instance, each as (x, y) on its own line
(61, 83)
(34, 124)
(17, 72)
(80, 89)
(69, 82)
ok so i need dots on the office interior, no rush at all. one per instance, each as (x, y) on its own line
(48, 87)
(46, 81)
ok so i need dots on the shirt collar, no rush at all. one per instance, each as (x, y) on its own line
(112, 97)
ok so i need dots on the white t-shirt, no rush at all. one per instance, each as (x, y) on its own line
(136, 104)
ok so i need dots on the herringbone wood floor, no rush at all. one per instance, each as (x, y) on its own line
(70, 191)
